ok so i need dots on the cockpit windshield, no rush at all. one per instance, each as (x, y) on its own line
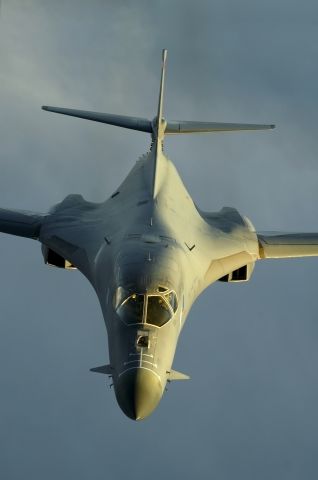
(131, 310)
(154, 309)
(158, 311)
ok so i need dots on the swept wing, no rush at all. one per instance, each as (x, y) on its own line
(20, 223)
(288, 245)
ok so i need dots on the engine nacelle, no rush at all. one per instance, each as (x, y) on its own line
(54, 259)
(242, 274)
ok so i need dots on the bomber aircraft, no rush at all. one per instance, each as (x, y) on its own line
(149, 252)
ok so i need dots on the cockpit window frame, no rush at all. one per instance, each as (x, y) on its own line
(162, 293)
(125, 301)
(167, 304)
(174, 304)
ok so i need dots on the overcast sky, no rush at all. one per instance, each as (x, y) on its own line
(250, 409)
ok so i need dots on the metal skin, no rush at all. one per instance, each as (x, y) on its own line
(139, 242)
(149, 252)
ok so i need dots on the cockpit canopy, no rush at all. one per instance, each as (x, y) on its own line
(155, 308)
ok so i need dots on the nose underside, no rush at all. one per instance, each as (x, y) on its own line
(138, 392)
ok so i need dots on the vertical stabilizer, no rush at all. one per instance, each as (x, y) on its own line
(158, 130)
(159, 123)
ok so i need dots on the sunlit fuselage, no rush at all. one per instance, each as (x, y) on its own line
(145, 257)
(151, 243)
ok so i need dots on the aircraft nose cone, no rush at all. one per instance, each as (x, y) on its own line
(138, 392)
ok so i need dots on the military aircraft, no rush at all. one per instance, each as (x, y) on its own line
(149, 252)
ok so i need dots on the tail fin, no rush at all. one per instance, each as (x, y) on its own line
(159, 124)
(158, 127)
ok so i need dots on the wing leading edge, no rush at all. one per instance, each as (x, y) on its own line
(20, 223)
(288, 245)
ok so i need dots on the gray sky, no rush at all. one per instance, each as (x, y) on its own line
(250, 409)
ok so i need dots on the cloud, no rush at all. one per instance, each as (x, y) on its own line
(250, 409)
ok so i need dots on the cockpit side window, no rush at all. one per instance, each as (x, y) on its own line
(120, 295)
(162, 289)
(158, 311)
(132, 309)
(171, 298)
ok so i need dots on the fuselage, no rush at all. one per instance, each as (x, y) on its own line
(148, 257)
(148, 252)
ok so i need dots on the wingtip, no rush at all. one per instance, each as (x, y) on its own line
(45, 107)
(272, 126)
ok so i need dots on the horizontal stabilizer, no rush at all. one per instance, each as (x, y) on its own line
(174, 375)
(105, 369)
(177, 127)
(133, 123)
(145, 125)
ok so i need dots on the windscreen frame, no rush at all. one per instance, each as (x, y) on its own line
(122, 297)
